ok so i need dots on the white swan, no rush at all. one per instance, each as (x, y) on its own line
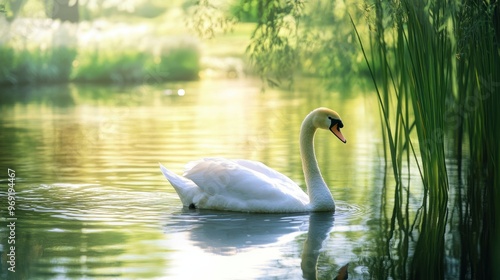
(250, 186)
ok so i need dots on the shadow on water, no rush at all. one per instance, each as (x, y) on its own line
(231, 233)
(61, 95)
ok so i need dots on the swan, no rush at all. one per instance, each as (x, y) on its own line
(250, 186)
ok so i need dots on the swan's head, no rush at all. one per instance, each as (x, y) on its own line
(328, 119)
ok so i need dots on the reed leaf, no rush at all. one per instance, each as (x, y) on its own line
(476, 117)
(413, 83)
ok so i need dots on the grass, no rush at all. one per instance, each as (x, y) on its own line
(64, 64)
(181, 62)
(45, 51)
(109, 66)
(21, 66)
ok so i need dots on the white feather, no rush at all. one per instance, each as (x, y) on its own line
(237, 185)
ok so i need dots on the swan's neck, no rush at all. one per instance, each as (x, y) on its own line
(320, 197)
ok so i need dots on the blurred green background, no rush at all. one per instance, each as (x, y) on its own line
(140, 41)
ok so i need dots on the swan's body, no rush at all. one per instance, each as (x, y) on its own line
(250, 186)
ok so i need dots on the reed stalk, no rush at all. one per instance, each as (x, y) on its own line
(415, 57)
(429, 71)
(440, 76)
(477, 117)
(392, 95)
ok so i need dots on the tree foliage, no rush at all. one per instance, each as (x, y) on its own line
(312, 38)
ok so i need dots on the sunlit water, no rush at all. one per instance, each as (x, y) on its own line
(92, 203)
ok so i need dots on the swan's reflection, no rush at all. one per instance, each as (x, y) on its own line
(227, 233)
(320, 225)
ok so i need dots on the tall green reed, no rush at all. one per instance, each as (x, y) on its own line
(477, 117)
(435, 66)
(412, 66)
(396, 129)
(429, 43)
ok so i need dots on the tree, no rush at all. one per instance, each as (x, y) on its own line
(64, 10)
(12, 7)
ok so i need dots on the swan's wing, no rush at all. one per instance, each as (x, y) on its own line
(244, 185)
(267, 171)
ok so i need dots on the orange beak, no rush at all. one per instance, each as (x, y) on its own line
(336, 130)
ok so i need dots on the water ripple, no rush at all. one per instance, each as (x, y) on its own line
(92, 203)
(351, 217)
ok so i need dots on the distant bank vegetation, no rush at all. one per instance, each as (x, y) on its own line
(48, 51)
(96, 42)
(149, 41)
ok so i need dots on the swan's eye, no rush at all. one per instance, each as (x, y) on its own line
(334, 122)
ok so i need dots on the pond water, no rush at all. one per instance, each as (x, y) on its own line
(91, 202)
